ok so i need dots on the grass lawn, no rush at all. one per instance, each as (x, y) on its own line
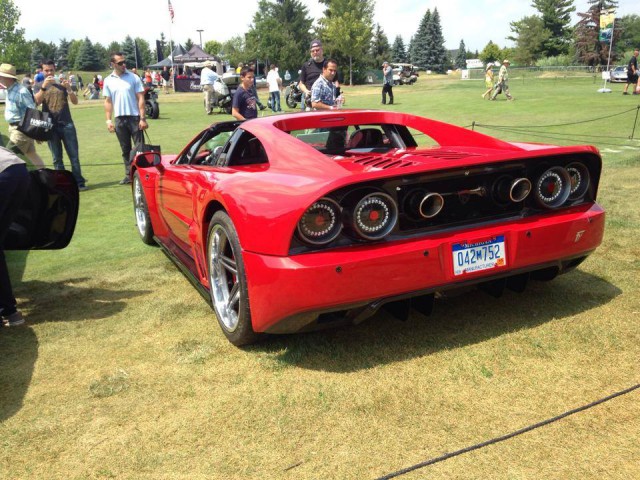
(122, 371)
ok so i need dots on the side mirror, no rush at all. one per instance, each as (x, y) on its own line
(148, 159)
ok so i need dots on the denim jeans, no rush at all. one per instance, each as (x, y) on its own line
(65, 133)
(275, 101)
(127, 128)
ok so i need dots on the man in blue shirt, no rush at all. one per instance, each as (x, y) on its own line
(244, 100)
(323, 91)
(17, 102)
(124, 100)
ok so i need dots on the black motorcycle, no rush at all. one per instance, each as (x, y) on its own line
(293, 95)
(151, 106)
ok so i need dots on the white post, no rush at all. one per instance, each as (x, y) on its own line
(604, 88)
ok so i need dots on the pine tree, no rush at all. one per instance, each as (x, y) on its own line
(128, 50)
(589, 50)
(419, 48)
(398, 52)
(436, 53)
(556, 18)
(87, 57)
(62, 55)
(380, 48)
(461, 57)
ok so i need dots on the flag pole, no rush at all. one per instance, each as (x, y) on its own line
(604, 88)
(173, 77)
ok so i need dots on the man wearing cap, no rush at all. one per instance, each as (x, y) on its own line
(312, 69)
(207, 78)
(503, 81)
(17, 102)
(387, 83)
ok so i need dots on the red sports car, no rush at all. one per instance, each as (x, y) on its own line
(293, 222)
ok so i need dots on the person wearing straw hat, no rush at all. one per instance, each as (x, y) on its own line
(18, 100)
(207, 79)
(503, 81)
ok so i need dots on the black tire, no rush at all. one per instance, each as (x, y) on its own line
(141, 211)
(228, 282)
(291, 101)
(152, 109)
(227, 109)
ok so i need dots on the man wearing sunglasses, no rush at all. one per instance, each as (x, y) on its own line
(124, 101)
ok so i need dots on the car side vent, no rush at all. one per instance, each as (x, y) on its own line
(444, 154)
(382, 163)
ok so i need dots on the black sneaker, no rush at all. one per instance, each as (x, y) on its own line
(13, 320)
(125, 181)
(625, 93)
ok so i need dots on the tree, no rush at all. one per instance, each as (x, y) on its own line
(280, 33)
(188, 44)
(13, 47)
(87, 57)
(380, 50)
(398, 52)
(144, 50)
(128, 50)
(556, 19)
(233, 50)
(419, 47)
(164, 45)
(630, 34)
(62, 55)
(346, 29)
(490, 53)
(40, 51)
(437, 58)
(461, 57)
(589, 50)
(213, 47)
(530, 38)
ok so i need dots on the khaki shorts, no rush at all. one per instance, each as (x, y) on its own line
(20, 140)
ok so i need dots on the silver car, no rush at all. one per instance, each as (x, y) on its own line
(619, 74)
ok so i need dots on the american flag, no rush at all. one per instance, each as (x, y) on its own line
(171, 14)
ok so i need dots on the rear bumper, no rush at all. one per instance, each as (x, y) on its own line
(286, 293)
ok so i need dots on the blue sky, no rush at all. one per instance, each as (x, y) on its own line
(475, 21)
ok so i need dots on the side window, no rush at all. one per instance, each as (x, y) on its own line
(248, 150)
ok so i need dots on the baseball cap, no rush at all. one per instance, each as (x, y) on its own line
(316, 43)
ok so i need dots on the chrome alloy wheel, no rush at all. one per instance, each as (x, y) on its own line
(140, 207)
(223, 279)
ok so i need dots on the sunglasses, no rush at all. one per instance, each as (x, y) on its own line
(121, 63)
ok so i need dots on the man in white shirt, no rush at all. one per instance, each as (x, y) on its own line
(275, 82)
(207, 78)
(124, 100)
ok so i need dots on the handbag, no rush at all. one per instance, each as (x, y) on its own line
(141, 147)
(36, 124)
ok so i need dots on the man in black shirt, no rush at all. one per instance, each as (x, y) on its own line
(311, 70)
(632, 73)
(55, 95)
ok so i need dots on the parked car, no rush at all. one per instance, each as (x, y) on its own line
(298, 221)
(47, 219)
(3, 93)
(619, 74)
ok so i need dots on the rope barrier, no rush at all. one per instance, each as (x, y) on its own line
(502, 438)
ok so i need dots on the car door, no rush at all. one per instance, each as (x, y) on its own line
(47, 218)
(177, 184)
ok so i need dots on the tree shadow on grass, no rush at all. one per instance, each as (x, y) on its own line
(457, 320)
(67, 300)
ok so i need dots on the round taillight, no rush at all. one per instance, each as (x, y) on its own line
(321, 222)
(553, 187)
(374, 216)
(579, 178)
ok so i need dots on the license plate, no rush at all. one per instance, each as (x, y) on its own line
(478, 256)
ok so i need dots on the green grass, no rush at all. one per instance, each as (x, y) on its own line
(122, 371)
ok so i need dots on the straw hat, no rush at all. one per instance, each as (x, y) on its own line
(8, 70)
(208, 63)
